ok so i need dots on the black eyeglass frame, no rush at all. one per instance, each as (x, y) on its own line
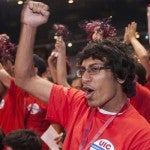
(89, 70)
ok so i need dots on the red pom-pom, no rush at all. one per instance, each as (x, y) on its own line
(102, 26)
(7, 49)
(61, 30)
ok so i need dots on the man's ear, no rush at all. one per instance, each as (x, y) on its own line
(12, 67)
(120, 81)
(12, 70)
(36, 70)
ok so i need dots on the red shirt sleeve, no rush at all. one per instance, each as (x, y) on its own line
(63, 102)
(141, 101)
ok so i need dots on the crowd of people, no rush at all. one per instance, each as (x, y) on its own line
(105, 106)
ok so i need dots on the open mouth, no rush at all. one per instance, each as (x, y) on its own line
(88, 92)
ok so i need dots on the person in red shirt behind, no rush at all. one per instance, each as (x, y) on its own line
(18, 109)
(11, 105)
(141, 101)
(21, 110)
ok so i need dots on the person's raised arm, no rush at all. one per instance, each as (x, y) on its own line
(5, 78)
(52, 60)
(140, 50)
(61, 62)
(33, 15)
(5, 81)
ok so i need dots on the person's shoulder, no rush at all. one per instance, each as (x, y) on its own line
(136, 119)
(72, 90)
(71, 94)
(14, 90)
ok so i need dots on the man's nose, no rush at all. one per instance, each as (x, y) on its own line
(86, 77)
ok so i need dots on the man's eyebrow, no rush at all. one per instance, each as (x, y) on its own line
(92, 65)
(95, 64)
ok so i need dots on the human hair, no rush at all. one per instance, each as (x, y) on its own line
(40, 64)
(2, 135)
(140, 73)
(114, 54)
(23, 139)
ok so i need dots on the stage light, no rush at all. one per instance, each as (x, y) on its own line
(70, 1)
(146, 37)
(69, 44)
(20, 2)
(55, 37)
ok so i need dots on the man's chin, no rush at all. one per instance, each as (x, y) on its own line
(91, 103)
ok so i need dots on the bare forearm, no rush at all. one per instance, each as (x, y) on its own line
(142, 54)
(53, 73)
(24, 58)
(61, 62)
(139, 48)
(5, 78)
(33, 15)
(62, 69)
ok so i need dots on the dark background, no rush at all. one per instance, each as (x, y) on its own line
(123, 12)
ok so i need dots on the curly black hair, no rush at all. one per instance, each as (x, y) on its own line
(23, 139)
(2, 135)
(117, 56)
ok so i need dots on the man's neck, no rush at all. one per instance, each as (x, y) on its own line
(116, 105)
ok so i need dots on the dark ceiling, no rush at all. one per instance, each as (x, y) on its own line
(123, 12)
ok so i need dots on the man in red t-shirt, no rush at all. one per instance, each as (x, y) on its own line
(17, 108)
(141, 101)
(12, 109)
(101, 117)
(12, 102)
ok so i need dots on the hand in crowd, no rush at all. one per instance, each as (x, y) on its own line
(130, 32)
(60, 45)
(59, 140)
(52, 59)
(34, 13)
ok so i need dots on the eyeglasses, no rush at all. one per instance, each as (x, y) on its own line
(92, 70)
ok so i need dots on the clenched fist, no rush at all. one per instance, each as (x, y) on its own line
(34, 13)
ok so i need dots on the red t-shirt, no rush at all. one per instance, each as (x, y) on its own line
(141, 101)
(128, 131)
(12, 109)
(35, 114)
(21, 110)
(148, 83)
